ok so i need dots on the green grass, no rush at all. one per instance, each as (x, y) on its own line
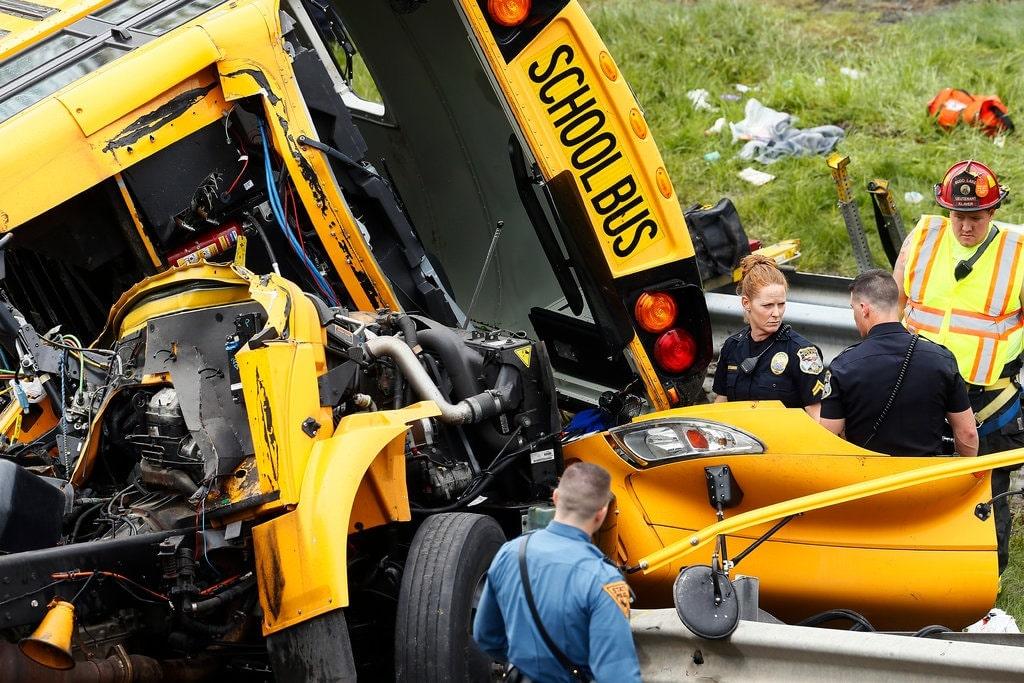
(667, 48)
(1011, 597)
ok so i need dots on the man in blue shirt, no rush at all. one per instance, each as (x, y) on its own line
(582, 601)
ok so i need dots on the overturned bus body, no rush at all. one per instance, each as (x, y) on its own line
(296, 297)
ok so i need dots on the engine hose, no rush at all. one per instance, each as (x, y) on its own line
(82, 515)
(407, 326)
(470, 410)
(198, 627)
(258, 227)
(456, 358)
(459, 361)
(200, 606)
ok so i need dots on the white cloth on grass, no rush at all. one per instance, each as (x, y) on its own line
(770, 135)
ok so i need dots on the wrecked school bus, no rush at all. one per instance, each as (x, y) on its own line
(334, 320)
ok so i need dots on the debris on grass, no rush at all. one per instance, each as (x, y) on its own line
(996, 621)
(712, 156)
(770, 135)
(716, 127)
(851, 73)
(755, 177)
(913, 197)
(699, 99)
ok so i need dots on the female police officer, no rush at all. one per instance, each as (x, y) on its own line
(768, 360)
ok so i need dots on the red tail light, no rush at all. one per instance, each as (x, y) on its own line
(509, 12)
(655, 311)
(675, 350)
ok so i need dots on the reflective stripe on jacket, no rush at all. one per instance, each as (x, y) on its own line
(979, 318)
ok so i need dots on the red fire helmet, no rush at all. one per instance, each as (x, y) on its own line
(969, 186)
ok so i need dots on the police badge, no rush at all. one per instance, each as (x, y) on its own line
(779, 362)
(810, 360)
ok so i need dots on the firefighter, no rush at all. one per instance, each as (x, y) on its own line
(768, 360)
(960, 281)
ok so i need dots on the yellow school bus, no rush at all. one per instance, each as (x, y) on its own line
(295, 297)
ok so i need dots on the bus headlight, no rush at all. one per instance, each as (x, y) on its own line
(655, 442)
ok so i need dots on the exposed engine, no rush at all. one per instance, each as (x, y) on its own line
(174, 469)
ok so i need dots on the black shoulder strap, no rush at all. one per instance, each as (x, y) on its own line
(524, 574)
(964, 268)
(895, 390)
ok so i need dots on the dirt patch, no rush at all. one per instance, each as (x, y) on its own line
(888, 11)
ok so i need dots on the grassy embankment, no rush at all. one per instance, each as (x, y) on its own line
(792, 52)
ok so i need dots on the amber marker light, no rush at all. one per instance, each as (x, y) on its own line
(509, 12)
(655, 311)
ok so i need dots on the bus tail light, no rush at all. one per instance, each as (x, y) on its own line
(655, 311)
(509, 13)
(675, 350)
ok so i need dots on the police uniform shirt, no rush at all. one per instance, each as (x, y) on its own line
(789, 369)
(863, 377)
(582, 600)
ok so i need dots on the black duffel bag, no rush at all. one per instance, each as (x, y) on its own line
(718, 238)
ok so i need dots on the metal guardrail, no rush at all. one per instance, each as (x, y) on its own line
(777, 652)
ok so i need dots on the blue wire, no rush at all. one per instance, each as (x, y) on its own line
(282, 222)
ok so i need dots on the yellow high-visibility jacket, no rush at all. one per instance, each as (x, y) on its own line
(979, 318)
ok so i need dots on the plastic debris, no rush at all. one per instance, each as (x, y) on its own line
(730, 97)
(996, 621)
(851, 73)
(717, 127)
(699, 99)
(819, 81)
(913, 197)
(755, 177)
(999, 141)
(742, 88)
(712, 156)
(770, 135)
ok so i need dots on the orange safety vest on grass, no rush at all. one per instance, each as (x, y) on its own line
(979, 318)
(952, 105)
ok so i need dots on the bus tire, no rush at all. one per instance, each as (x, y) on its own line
(447, 561)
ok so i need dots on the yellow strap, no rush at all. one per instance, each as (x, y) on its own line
(1008, 393)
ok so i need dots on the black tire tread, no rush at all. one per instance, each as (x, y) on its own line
(426, 633)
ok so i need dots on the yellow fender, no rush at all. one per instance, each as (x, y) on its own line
(301, 556)
(844, 494)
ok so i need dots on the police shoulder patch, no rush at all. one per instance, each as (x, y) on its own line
(619, 592)
(826, 390)
(810, 360)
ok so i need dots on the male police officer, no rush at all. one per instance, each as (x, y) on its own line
(961, 280)
(581, 601)
(863, 379)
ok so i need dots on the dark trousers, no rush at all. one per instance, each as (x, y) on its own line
(994, 443)
(1010, 436)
